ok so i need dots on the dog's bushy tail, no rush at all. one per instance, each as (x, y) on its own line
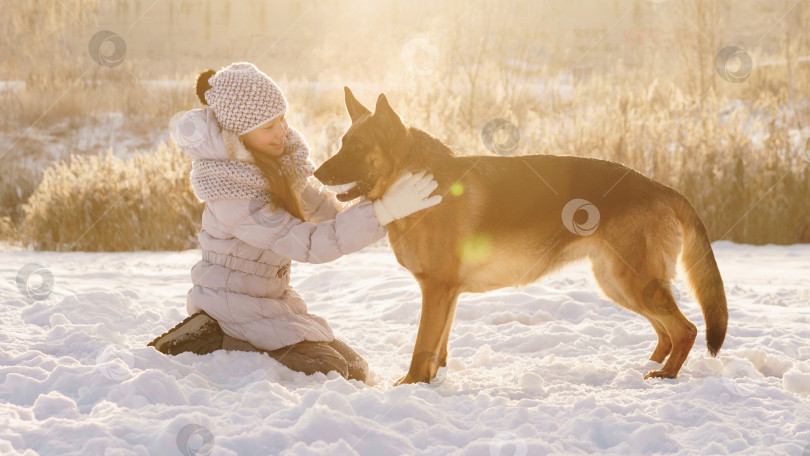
(702, 271)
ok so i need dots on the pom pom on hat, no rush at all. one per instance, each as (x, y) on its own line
(242, 96)
(202, 84)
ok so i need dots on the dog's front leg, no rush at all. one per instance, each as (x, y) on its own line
(438, 309)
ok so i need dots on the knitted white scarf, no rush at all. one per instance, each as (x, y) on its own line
(236, 179)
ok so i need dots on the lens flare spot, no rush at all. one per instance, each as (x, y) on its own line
(475, 248)
(457, 189)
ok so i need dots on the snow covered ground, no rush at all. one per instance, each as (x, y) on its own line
(552, 368)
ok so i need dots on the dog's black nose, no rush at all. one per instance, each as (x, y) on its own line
(323, 175)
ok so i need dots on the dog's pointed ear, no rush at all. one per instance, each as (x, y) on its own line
(386, 114)
(356, 110)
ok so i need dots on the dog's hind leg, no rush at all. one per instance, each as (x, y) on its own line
(438, 309)
(664, 347)
(653, 300)
(682, 333)
(608, 285)
(608, 275)
(636, 275)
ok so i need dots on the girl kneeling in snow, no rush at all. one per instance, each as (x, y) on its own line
(263, 209)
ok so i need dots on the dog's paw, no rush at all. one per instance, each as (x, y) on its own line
(660, 374)
(405, 380)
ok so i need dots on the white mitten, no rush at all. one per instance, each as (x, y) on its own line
(407, 195)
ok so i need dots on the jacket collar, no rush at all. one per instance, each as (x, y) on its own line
(235, 149)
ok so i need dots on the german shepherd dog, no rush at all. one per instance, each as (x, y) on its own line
(509, 220)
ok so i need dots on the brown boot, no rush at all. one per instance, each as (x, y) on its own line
(198, 333)
(232, 343)
(310, 357)
(358, 367)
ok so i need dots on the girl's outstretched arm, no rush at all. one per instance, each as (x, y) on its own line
(257, 224)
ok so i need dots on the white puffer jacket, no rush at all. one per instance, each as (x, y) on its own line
(243, 279)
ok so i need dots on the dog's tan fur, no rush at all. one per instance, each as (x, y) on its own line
(500, 224)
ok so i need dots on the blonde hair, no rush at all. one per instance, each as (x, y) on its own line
(281, 194)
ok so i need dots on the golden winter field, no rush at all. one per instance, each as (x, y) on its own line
(709, 97)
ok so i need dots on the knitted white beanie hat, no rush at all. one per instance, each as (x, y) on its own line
(244, 98)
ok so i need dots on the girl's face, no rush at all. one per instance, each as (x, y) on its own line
(267, 139)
